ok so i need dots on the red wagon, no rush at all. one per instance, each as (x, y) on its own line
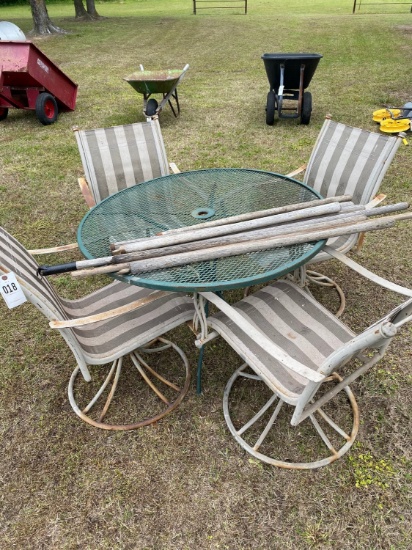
(29, 80)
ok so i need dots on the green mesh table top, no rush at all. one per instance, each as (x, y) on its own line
(190, 198)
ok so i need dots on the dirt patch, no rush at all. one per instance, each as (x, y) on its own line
(404, 28)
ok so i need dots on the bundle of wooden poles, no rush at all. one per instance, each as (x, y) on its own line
(251, 232)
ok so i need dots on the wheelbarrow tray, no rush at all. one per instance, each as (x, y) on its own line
(25, 71)
(292, 63)
(154, 82)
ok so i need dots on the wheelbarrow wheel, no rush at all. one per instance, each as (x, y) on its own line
(151, 107)
(46, 108)
(270, 108)
(306, 108)
(3, 113)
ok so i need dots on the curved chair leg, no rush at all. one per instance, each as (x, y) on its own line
(151, 379)
(323, 280)
(254, 442)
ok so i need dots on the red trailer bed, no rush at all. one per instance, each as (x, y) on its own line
(29, 80)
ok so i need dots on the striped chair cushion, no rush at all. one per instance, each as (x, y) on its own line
(128, 331)
(350, 161)
(105, 339)
(294, 321)
(14, 257)
(121, 156)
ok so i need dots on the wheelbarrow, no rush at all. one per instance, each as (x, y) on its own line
(30, 81)
(289, 74)
(157, 82)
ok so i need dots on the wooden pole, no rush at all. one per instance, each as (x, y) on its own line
(111, 264)
(261, 213)
(157, 243)
(244, 217)
(286, 229)
(388, 209)
(350, 214)
(351, 220)
(236, 249)
(200, 233)
(186, 246)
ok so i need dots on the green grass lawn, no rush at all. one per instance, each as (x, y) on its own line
(185, 483)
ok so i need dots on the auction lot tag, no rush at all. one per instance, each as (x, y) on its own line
(11, 290)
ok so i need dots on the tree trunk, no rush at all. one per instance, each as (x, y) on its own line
(89, 13)
(91, 9)
(42, 22)
(79, 9)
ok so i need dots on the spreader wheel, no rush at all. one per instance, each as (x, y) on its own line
(46, 108)
(306, 108)
(3, 113)
(270, 108)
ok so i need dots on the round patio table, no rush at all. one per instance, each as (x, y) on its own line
(190, 198)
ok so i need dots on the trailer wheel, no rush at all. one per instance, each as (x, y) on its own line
(3, 113)
(306, 108)
(46, 108)
(151, 107)
(270, 108)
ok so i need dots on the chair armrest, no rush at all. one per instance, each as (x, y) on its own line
(85, 189)
(62, 248)
(174, 168)
(81, 321)
(264, 342)
(297, 171)
(375, 201)
(366, 273)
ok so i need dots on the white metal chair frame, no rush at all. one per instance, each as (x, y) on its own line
(376, 338)
(179, 311)
(135, 145)
(342, 162)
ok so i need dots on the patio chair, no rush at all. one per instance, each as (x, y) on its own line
(346, 161)
(112, 326)
(297, 354)
(119, 157)
(115, 158)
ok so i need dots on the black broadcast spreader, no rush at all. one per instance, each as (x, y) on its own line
(289, 75)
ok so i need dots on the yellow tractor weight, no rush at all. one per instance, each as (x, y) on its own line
(383, 114)
(391, 126)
